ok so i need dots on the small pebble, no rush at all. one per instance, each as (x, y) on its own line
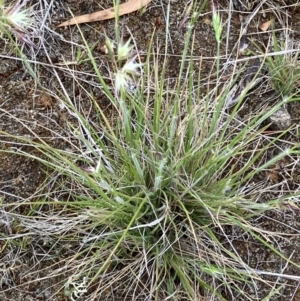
(281, 119)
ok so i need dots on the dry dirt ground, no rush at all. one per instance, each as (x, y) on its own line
(28, 110)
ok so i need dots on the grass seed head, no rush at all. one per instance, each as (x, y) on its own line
(216, 21)
(16, 20)
(124, 50)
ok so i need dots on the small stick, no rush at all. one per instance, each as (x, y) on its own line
(125, 8)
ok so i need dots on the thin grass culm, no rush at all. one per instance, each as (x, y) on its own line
(144, 201)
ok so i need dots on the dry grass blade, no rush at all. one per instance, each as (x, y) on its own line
(125, 8)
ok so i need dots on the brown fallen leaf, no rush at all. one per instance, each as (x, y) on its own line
(125, 8)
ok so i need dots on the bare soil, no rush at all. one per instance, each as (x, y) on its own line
(29, 111)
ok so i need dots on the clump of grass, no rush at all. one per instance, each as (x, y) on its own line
(283, 67)
(153, 193)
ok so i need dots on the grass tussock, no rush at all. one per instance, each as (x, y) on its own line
(140, 206)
